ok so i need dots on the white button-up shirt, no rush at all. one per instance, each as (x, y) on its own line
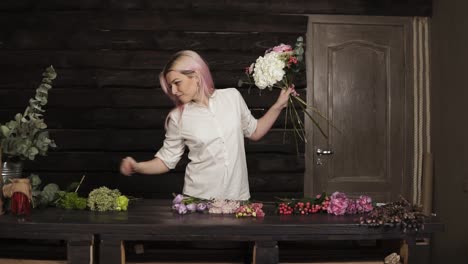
(215, 138)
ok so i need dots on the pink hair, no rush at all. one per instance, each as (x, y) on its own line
(191, 64)
(195, 66)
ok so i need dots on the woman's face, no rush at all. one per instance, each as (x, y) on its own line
(183, 86)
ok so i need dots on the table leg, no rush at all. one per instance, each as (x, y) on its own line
(111, 251)
(408, 250)
(80, 250)
(265, 252)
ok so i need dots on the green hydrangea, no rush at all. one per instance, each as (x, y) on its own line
(103, 199)
(122, 203)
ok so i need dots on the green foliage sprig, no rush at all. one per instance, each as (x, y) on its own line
(25, 136)
(45, 197)
(71, 200)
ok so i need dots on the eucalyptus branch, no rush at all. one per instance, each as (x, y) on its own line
(25, 136)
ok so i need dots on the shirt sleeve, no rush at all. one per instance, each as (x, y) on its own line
(173, 147)
(248, 121)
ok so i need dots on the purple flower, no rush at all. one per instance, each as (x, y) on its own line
(175, 207)
(201, 207)
(178, 199)
(182, 209)
(338, 204)
(364, 204)
(191, 207)
(352, 207)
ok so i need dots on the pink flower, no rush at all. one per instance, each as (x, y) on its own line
(250, 69)
(364, 204)
(282, 48)
(256, 206)
(259, 212)
(352, 207)
(338, 204)
(292, 60)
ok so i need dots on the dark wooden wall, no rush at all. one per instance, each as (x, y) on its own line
(106, 102)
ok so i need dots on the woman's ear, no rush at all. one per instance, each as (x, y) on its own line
(197, 78)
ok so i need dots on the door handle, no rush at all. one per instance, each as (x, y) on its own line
(321, 152)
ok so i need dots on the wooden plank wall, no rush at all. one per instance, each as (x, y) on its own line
(106, 102)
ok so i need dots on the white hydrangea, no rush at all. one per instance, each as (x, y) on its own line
(268, 70)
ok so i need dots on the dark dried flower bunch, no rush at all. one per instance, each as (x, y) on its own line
(400, 213)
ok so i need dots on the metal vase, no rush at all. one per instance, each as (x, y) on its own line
(11, 170)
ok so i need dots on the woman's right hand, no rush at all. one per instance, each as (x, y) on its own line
(128, 166)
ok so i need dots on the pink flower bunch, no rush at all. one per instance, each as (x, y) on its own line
(338, 203)
(352, 207)
(219, 206)
(364, 204)
(280, 48)
(253, 210)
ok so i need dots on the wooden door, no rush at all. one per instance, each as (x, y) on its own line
(360, 77)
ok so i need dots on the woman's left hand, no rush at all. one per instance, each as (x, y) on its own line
(283, 98)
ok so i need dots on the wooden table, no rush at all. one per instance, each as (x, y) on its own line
(152, 220)
(51, 224)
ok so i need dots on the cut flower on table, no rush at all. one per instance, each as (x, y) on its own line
(183, 204)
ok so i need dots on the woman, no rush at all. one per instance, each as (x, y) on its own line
(212, 124)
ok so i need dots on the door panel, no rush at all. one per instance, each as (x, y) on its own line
(359, 72)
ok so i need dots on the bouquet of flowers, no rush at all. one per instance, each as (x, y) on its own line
(277, 69)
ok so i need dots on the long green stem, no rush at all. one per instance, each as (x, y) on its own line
(285, 124)
(294, 123)
(314, 121)
(315, 110)
(299, 121)
(311, 107)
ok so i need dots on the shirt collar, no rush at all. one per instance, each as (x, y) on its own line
(209, 101)
(213, 94)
